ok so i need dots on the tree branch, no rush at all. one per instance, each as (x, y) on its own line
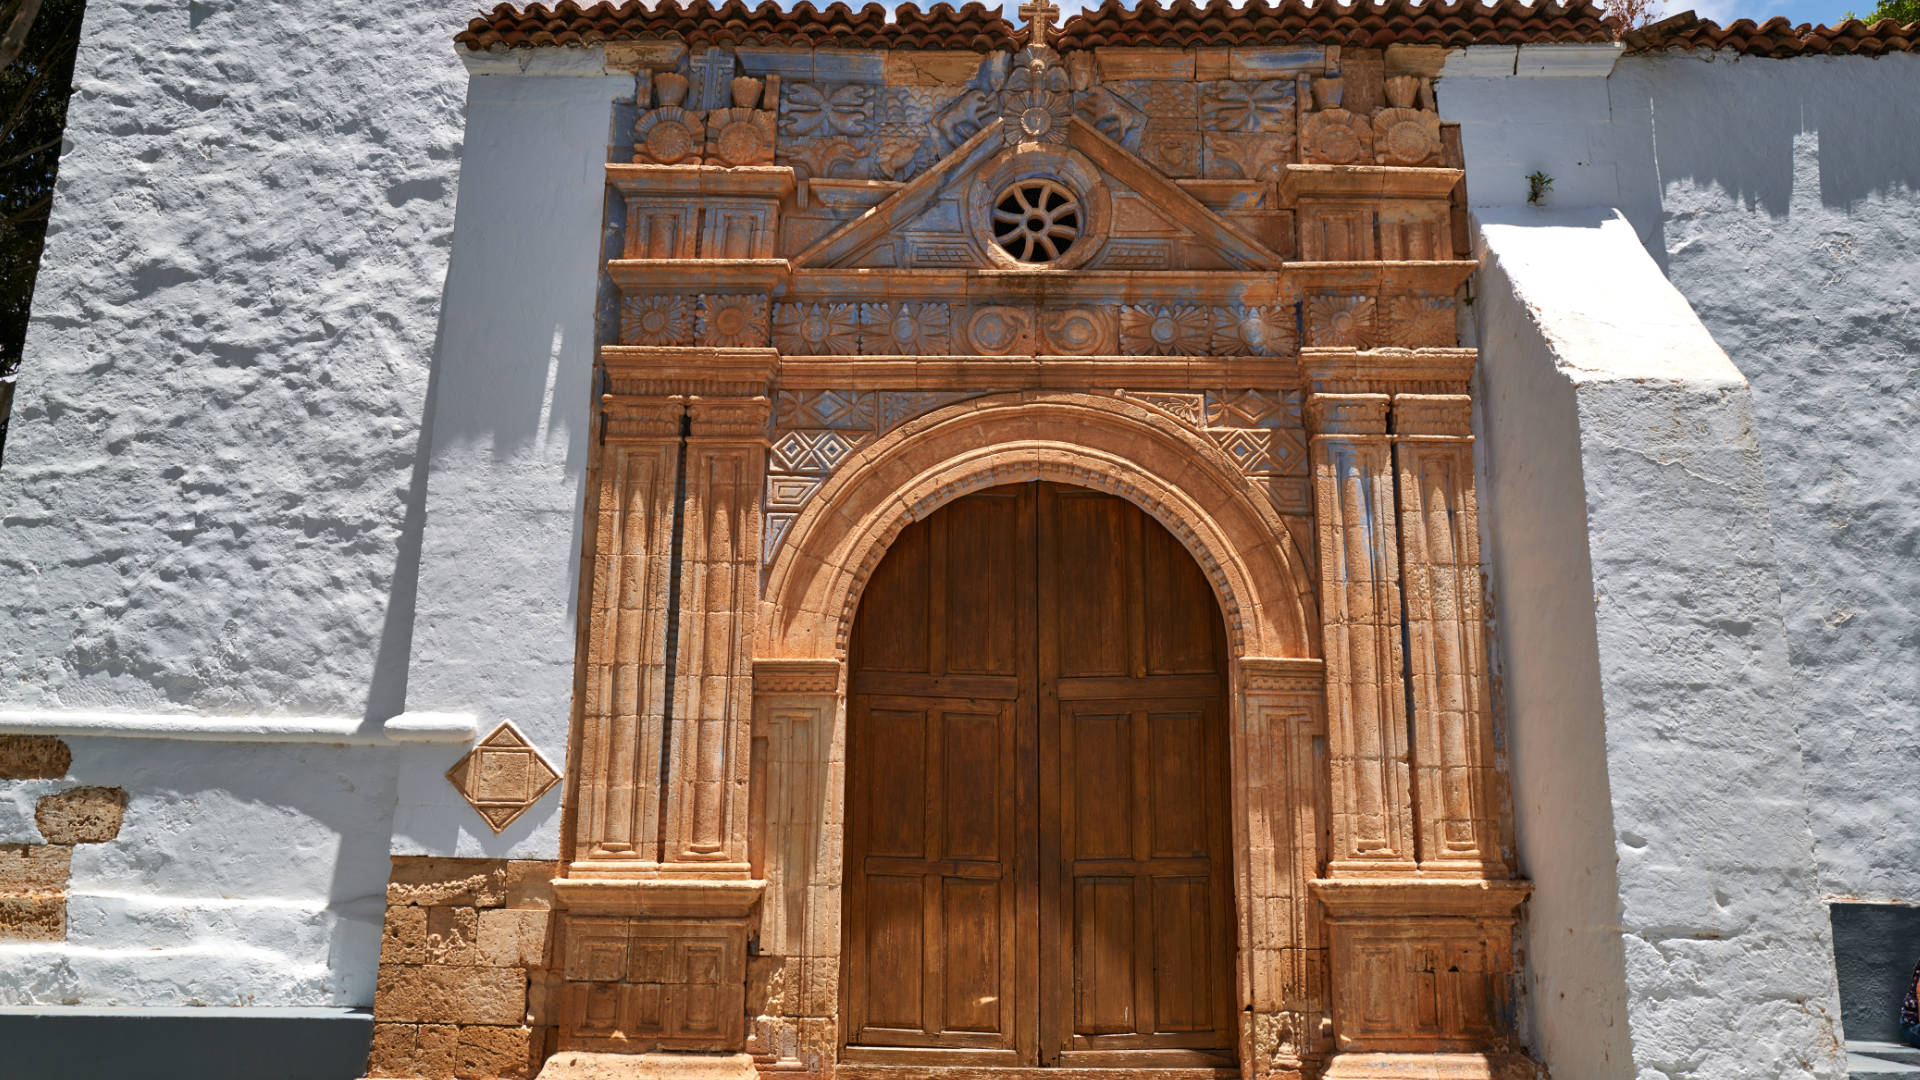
(16, 36)
(37, 210)
(25, 154)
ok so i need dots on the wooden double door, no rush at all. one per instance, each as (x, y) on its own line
(1037, 868)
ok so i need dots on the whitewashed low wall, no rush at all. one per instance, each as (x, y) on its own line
(243, 874)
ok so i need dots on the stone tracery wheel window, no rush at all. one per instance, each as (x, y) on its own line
(1036, 220)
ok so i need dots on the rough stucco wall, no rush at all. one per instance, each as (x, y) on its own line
(1727, 950)
(214, 489)
(1791, 223)
(210, 498)
(1780, 200)
(242, 875)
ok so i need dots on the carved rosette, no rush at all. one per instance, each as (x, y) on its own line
(816, 329)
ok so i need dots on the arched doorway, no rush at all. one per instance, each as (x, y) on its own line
(1037, 851)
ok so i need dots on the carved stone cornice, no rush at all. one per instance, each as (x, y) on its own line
(1282, 675)
(1368, 182)
(1433, 415)
(659, 897)
(665, 370)
(638, 419)
(676, 277)
(1284, 285)
(796, 676)
(1030, 372)
(701, 181)
(1388, 371)
(729, 419)
(1404, 896)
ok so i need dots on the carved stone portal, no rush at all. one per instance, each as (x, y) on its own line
(855, 291)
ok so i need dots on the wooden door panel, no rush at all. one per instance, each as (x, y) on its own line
(894, 636)
(896, 794)
(1104, 955)
(1182, 954)
(981, 541)
(1134, 723)
(1181, 611)
(1178, 778)
(1037, 865)
(1099, 816)
(895, 952)
(940, 692)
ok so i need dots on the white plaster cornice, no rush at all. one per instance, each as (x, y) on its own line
(1581, 61)
(412, 727)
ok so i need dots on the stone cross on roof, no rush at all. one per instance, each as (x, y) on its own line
(1039, 15)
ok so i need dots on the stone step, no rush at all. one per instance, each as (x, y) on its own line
(1882, 1061)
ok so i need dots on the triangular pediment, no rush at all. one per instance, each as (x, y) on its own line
(1117, 212)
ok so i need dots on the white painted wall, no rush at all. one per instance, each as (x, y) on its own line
(223, 498)
(1723, 947)
(244, 874)
(497, 617)
(1780, 199)
(1790, 219)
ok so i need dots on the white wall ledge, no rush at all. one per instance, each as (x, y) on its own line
(1580, 61)
(406, 728)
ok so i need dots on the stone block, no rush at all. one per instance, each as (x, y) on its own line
(29, 869)
(513, 937)
(392, 1051)
(404, 940)
(408, 993)
(494, 1053)
(33, 918)
(33, 757)
(483, 883)
(453, 936)
(88, 815)
(435, 1050)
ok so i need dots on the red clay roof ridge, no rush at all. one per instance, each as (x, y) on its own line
(976, 27)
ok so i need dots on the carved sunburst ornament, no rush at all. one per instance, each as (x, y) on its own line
(1035, 101)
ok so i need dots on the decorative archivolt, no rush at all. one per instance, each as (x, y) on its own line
(1134, 450)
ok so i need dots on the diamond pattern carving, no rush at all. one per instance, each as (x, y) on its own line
(503, 776)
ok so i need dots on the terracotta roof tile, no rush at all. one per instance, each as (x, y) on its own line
(1777, 37)
(1182, 23)
(700, 23)
(1286, 22)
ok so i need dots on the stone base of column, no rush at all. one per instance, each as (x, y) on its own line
(1493, 1066)
(652, 967)
(596, 1065)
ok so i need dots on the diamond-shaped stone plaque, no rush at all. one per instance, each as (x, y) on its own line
(503, 776)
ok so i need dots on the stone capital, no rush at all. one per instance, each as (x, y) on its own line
(1347, 414)
(1433, 414)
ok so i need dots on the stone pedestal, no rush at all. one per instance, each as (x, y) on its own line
(654, 965)
(583, 1065)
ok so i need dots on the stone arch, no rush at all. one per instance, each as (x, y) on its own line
(1108, 444)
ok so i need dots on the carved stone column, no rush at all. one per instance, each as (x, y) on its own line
(658, 902)
(706, 822)
(1420, 945)
(1457, 798)
(618, 764)
(1280, 835)
(1372, 812)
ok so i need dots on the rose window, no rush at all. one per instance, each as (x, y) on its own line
(1036, 221)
